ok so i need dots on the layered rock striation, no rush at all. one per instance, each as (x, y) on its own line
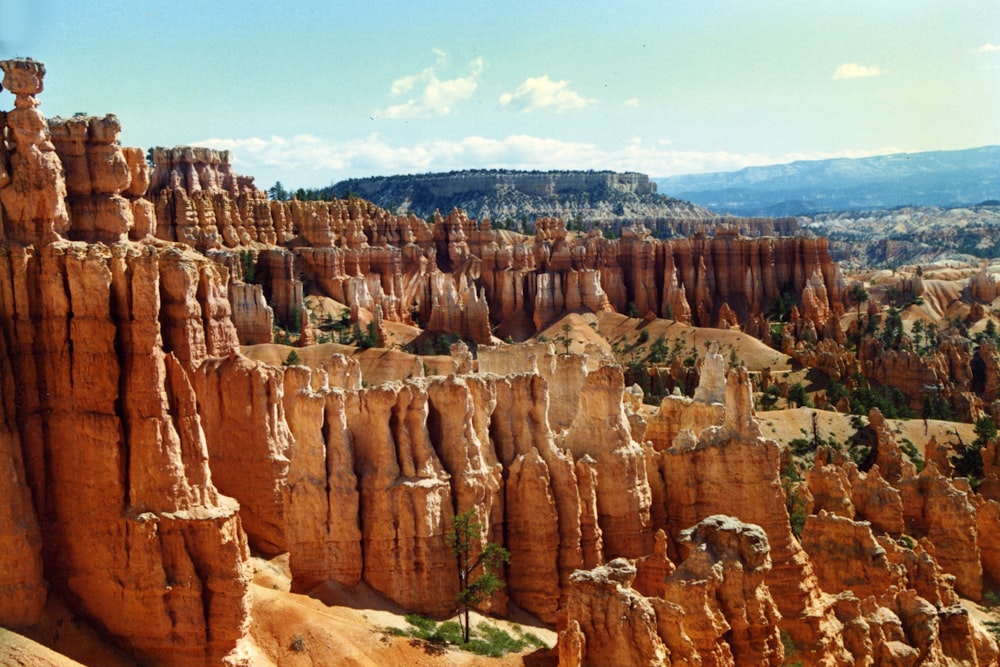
(108, 462)
(456, 274)
(143, 455)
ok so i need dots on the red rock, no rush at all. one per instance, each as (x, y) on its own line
(520, 422)
(240, 405)
(601, 431)
(935, 508)
(877, 501)
(405, 500)
(134, 528)
(609, 622)
(653, 570)
(732, 468)
(33, 196)
(22, 585)
(252, 317)
(533, 536)
(322, 515)
(846, 556)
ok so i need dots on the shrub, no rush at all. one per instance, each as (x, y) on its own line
(486, 640)
(797, 394)
(801, 446)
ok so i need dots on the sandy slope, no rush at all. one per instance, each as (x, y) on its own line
(603, 330)
(18, 650)
(786, 425)
(351, 630)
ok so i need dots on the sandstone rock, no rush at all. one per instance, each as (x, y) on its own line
(33, 199)
(241, 408)
(618, 626)
(722, 586)
(533, 536)
(732, 468)
(876, 501)
(135, 531)
(405, 500)
(323, 532)
(935, 508)
(455, 405)
(519, 423)
(652, 570)
(23, 77)
(601, 431)
(22, 586)
(846, 556)
(923, 574)
(984, 286)
(715, 607)
(252, 317)
(891, 461)
(987, 519)
(830, 489)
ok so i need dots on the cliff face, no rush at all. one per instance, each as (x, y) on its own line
(512, 198)
(98, 348)
(464, 276)
(142, 454)
(715, 608)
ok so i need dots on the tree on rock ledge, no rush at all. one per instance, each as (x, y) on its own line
(474, 589)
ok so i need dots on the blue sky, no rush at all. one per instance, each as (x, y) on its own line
(312, 92)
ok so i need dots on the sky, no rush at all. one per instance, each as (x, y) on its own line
(312, 92)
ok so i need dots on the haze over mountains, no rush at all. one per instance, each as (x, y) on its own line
(941, 178)
(938, 178)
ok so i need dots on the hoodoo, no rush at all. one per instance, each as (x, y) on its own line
(158, 438)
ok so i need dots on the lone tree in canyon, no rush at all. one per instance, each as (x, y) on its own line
(474, 589)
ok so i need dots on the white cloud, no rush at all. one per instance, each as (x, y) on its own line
(320, 161)
(541, 93)
(632, 102)
(433, 96)
(855, 71)
(988, 48)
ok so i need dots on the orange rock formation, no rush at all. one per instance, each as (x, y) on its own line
(142, 454)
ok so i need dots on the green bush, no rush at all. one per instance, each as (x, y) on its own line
(797, 394)
(801, 446)
(487, 640)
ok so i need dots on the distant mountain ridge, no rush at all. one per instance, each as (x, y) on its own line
(936, 178)
(601, 197)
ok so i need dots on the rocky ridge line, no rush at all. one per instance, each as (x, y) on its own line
(151, 453)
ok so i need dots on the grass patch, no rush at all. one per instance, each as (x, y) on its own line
(485, 639)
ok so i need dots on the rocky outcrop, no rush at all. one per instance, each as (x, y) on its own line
(846, 556)
(98, 174)
(22, 583)
(984, 286)
(600, 431)
(99, 344)
(142, 455)
(32, 186)
(608, 622)
(935, 507)
(731, 467)
(460, 275)
(134, 496)
(715, 609)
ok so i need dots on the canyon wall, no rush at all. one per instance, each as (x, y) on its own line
(144, 455)
(461, 275)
